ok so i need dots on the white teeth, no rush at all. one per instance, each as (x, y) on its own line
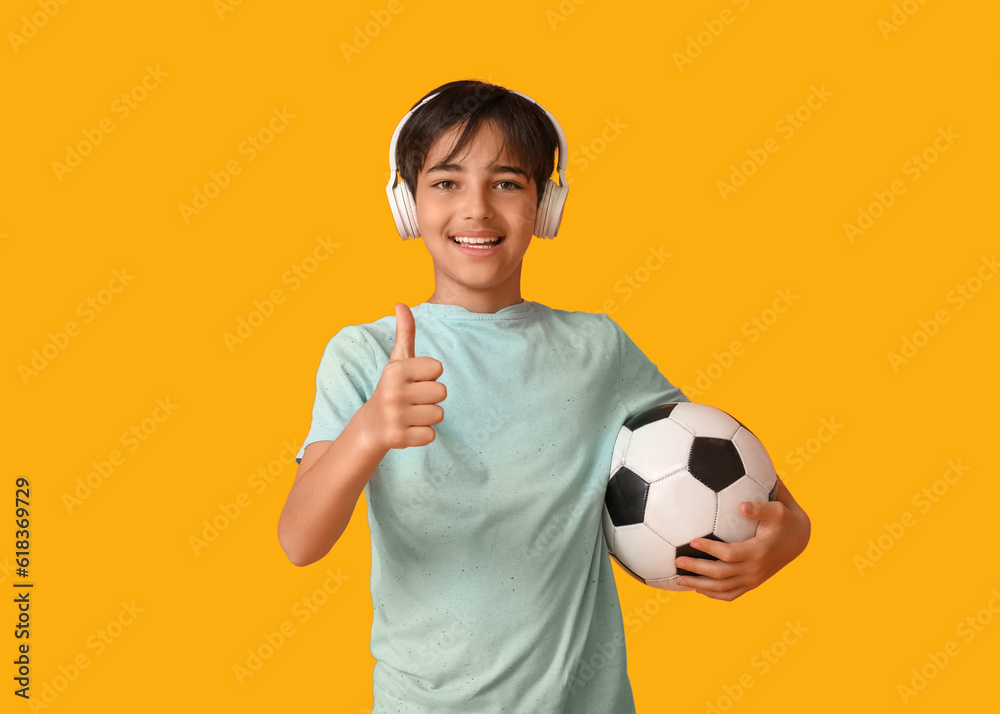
(476, 242)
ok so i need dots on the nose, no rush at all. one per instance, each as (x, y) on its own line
(477, 205)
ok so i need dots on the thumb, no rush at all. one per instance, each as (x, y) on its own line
(406, 331)
(753, 510)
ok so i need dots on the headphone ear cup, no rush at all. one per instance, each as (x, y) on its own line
(399, 211)
(559, 194)
(541, 215)
(550, 210)
(407, 210)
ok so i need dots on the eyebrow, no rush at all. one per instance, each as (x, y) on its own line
(495, 168)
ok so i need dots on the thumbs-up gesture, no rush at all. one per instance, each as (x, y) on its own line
(404, 405)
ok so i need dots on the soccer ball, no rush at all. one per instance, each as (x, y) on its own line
(679, 472)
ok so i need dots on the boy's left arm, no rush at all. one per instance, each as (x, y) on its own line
(781, 535)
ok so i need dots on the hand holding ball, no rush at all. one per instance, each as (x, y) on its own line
(679, 472)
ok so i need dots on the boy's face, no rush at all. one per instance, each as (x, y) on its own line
(482, 192)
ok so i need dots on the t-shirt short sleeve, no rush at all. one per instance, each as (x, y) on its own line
(640, 383)
(345, 380)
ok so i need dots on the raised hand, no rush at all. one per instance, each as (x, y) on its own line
(400, 412)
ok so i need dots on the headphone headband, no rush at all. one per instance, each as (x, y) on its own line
(549, 212)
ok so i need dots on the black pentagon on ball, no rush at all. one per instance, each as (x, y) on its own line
(626, 497)
(648, 416)
(715, 462)
(690, 552)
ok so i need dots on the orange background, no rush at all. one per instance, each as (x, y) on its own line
(660, 103)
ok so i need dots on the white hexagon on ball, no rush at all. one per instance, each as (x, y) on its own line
(755, 459)
(733, 526)
(649, 556)
(680, 507)
(658, 449)
(704, 420)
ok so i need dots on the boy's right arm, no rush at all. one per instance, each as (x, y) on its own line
(332, 474)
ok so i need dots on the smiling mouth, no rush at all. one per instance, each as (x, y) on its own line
(476, 242)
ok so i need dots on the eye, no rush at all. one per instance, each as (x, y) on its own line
(446, 185)
(508, 186)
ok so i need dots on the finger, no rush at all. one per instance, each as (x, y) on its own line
(726, 552)
(423, 369)
(704, 566)
(770, 511)
(728, 589)
(419, 435)
(424, 392)
(424, 414)
(406, 330)
(704, 584)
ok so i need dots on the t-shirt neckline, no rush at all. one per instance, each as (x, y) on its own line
(457, 312)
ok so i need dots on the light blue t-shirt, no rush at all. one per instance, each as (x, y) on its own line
(490, 578)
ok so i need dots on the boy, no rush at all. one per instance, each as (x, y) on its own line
(491, 582)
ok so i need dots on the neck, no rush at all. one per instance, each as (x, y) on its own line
(478, 303)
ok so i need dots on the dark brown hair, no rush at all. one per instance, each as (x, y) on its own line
(528, 134)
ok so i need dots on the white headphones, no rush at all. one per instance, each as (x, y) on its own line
(550, 209)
